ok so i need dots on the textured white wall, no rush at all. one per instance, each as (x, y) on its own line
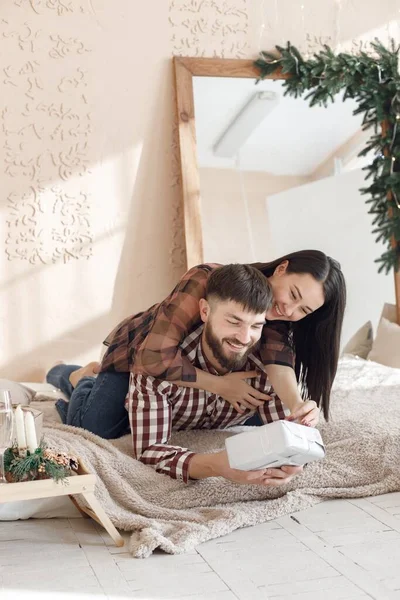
(90, 217)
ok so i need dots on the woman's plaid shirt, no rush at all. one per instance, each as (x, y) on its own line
(157, 407)
(149, 343)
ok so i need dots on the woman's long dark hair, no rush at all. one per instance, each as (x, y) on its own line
(316, 338)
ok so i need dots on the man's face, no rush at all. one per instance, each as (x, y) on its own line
(230, 332)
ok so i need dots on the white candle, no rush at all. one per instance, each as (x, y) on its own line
(20, 428)
(30, 432)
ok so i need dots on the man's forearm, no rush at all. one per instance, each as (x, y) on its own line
(202, 466)
(217, 465)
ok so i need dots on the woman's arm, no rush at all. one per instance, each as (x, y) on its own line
(284, 382)
(235, 390)
(231, 387)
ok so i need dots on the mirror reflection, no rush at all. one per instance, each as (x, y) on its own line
(277, 175)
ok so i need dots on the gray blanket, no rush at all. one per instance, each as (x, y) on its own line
(363, 448)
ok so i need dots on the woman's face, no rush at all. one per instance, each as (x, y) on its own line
(296, 295)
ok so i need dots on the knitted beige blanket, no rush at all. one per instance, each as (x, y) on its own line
(363, 449)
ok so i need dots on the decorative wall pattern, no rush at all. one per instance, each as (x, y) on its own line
(209, 28)
(45, 121)
(56, 7)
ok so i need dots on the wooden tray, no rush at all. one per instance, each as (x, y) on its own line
(81, 484)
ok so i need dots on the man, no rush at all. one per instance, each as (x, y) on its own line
(233, 313)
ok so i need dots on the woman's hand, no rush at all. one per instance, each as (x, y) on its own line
(305, 413)
(234, 389)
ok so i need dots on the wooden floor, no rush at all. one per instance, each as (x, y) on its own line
(336, 550)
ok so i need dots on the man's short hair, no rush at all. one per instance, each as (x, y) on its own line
(243, 284)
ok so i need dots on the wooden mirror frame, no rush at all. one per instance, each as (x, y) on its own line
(185, 70)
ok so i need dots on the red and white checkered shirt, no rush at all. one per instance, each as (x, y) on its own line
(156, 407)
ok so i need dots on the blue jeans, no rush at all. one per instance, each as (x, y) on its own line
(254, 421)
(96, 404)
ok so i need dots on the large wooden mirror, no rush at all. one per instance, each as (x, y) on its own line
(264, 174)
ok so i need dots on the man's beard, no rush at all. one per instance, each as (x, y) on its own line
(231, 361)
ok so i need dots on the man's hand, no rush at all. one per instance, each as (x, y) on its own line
(234, 389)
(218, 466)
(305, 413)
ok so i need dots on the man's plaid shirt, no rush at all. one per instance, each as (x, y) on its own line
(157, 407)
(149, 343)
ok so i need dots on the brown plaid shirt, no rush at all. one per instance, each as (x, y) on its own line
(148, 343)
(156, 407)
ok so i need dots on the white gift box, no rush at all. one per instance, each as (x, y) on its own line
(273, 445)
(38, 418)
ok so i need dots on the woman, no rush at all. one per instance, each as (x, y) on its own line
(299, 345)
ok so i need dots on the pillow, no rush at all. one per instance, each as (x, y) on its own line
(20, 394)
(361, 342)
(389, 312)
(45, 391)
(386, 347)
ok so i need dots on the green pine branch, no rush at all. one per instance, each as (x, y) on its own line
(33, 465)
(373, 81)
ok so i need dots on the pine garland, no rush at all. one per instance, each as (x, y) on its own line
(374, 82)
(44, 463)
